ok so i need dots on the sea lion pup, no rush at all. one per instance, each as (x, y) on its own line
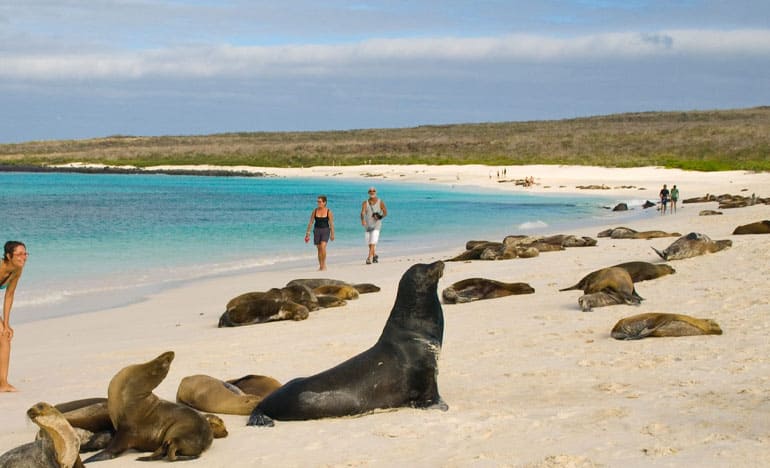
(145, 422)
(760, 227)
(659, 324)
(399, 370)
(474, 289)
(58, 447)
(208, 394)
(639, 271)
(692, 245)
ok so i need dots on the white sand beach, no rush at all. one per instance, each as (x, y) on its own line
(530, 380)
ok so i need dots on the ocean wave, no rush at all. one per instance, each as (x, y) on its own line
(528, 225)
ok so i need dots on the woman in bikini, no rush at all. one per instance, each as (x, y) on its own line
(11, 266)
(322, 221)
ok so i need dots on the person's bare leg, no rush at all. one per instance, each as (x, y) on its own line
(371, 251)
(5, 358)
(322, 256)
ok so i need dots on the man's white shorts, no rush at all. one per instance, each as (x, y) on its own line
(372, 236)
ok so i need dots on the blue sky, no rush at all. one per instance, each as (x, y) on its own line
(72, 69)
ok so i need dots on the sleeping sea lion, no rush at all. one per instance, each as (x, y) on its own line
(607, 286)
(340, 291)
(260, 307)
(659, 324)
(639, 271)
(313, 283)
(474, 289)
(760, 227)
(144, 422)
(400, 370)
(260, 385)
(58, 447)
(692, 245)
(209, 394)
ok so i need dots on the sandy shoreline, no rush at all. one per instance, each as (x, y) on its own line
(530, 380)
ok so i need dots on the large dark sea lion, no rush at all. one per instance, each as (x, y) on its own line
(760, 227)
(692, 245)
(400, 370)
(59, 445)
(658, 324)
(639, 271)
(144, 422)
(474, 289)
(211, 395)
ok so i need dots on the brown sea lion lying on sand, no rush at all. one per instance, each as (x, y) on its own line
(639, 271)
(628, 233)
(474, 289)
(659, 324)
(760, 227)
(260, 307)
(313, 283)
(58, 447)
(692, 245)
(209, 394)
(608, 286)
(520, 246)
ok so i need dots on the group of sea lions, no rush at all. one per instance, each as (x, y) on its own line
(615, 285)
(294, 301)
(520, 246)
(399, 370)
(727, 200)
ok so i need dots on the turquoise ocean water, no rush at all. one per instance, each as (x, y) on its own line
(100, 240)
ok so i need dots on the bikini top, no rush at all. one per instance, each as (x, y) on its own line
(4, 282)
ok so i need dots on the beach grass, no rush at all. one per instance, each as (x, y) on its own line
(694, 140)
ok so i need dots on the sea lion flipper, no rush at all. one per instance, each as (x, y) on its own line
(103, 455)
(662, 255)
(258, 418)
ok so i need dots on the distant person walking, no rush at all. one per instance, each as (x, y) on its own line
(372, 211)
(664, 194)
(14, 257)
(322, 222)
(674, 198)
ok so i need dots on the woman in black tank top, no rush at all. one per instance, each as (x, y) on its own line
(322, 221)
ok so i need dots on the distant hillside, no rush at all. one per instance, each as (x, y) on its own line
(699, 140)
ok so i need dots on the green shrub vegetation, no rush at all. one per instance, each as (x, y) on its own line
(695, 140)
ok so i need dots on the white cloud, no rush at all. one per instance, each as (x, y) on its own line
(381, 55)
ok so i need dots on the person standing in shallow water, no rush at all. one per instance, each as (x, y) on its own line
(14, 257)
(372, 211)
(322, 221)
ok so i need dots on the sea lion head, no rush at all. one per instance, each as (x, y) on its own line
(417, 305)
(218, 428)
(61, 434)
(137, 381)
